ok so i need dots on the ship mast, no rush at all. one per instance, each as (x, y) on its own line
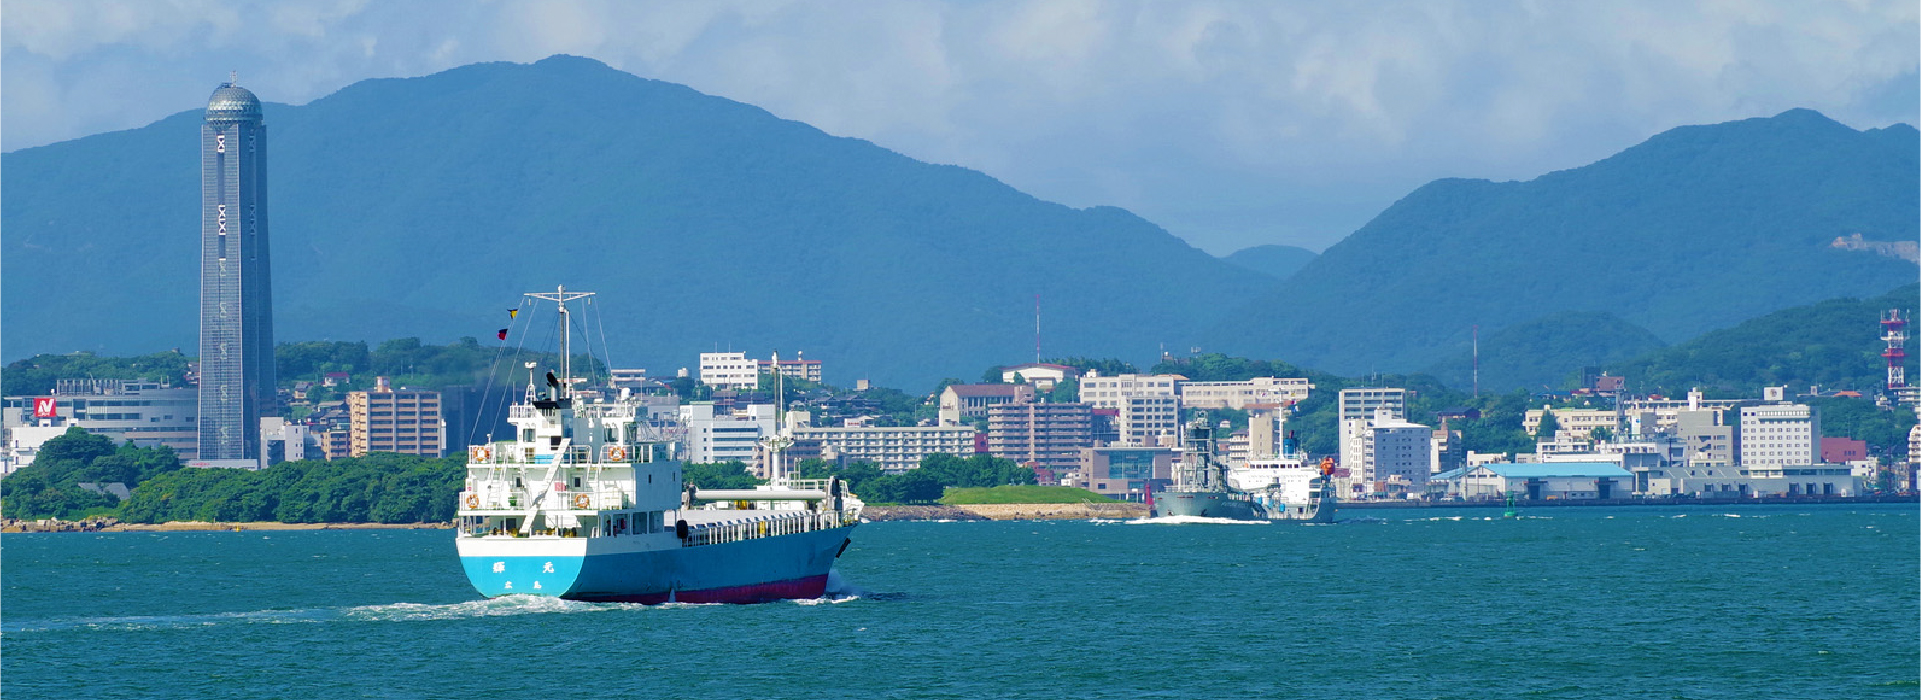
(561, 296)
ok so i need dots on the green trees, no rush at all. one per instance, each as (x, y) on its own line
(923, 485)
(48, 487)
(36, 375)
(409, 362)
(378, 488)
(720, 475)
(1549, 426)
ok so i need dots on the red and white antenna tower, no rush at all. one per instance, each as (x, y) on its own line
(1894, 325)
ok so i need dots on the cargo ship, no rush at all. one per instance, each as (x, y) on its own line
(586, 501)
(1276, 487)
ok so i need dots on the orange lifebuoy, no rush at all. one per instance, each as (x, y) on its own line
(480, 453)
(580, 501)
(473, 501)
(616, 453)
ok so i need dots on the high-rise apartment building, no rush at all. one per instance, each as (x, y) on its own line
(1048, 434)
(236, 301)
(386, 420)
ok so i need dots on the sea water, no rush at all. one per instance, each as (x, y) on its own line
(1630, 602)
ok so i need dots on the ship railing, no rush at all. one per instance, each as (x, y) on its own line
(768, 526)
(560, 499)
(509, 453)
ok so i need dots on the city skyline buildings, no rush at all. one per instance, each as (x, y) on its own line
(237, 384)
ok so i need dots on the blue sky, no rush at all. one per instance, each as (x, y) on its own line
(1230, 123)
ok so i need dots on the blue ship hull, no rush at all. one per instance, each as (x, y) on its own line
(617, 570)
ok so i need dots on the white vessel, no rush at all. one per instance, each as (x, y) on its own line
(586, 502)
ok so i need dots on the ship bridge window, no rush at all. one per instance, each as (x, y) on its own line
(527, 434)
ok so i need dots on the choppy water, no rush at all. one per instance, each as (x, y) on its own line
(1779, 602)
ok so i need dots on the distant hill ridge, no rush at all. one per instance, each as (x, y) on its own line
(425, 206)
(1700, 227)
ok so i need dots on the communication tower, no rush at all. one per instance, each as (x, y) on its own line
(1894, 330)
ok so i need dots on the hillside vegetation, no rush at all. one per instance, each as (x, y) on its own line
(379, 488)
(1834, 344)
(1697, 228)
(1547, 353)
(424, 207)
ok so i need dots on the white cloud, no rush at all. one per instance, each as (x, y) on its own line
(1231, 122)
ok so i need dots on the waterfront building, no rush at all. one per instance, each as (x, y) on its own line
(1779, 435)
(961, 402)
(383, 419)
(1357, 409)
(1147, 407)
(1718, 479)
(1393, 449)
(1237, 395)
(894, 450)
(1049, 435)
(1707, 434)
(1843, 450)
(1547, 480)
(148, 413)
(236, 302)
(1124, 472)
(1044, 376)
(729, 370)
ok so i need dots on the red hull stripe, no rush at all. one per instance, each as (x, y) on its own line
(809, 587)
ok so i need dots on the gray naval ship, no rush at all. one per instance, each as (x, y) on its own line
(1277, 487)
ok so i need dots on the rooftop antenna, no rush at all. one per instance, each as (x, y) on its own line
(233, 78)
(1037, 329)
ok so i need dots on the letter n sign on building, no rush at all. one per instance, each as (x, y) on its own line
(44, 408)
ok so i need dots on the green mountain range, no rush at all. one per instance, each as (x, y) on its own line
(1698, 228)
(1277, 261)
(426, 206)
(1834, 344)
(1547, 353)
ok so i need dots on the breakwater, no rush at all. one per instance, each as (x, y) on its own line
(1008, 511)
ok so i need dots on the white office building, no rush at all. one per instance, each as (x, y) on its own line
(1779, 435)
(1237, 395)
(1358, 410)
(722, 437)
(729, 370)
(1148, 407)
(1395, 450)
(894, 450)
(148, 413)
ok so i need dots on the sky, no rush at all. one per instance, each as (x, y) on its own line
(1231, 124)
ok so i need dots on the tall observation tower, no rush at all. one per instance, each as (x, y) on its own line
(236, 301)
